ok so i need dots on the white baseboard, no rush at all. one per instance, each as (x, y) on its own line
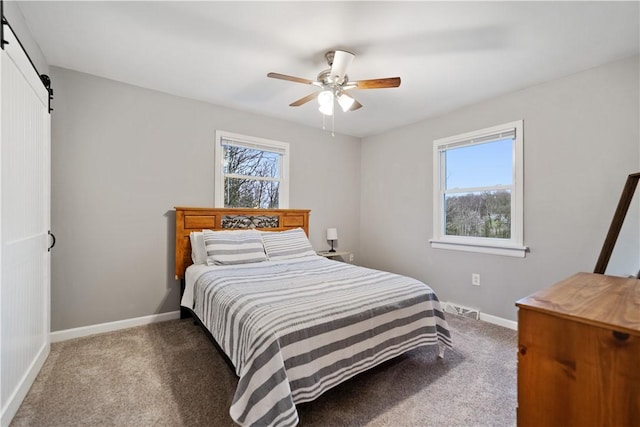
(483, 316)
(16, 398)
(84, 331)
(499, 321)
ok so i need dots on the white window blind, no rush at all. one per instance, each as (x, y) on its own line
(507, 134)
(264, 145)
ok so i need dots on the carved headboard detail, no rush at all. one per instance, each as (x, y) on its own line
(197, 219)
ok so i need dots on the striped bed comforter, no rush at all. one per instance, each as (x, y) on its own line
(295, 329)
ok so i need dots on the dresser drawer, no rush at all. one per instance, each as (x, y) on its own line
(575, 374)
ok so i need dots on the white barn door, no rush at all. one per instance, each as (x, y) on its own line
(25, 163)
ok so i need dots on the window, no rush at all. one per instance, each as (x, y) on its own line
(477, 188)
(251, 172)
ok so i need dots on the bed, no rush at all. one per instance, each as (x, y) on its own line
(293, 324)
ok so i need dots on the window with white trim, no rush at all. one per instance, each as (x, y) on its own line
(251, 172)
(478, 191)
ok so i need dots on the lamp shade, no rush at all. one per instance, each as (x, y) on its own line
(346, 102)
(327, 110)
(332, 234)
(325, 98)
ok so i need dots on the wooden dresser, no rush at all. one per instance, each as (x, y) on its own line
(579, 353)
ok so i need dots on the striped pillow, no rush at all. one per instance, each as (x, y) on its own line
(287, 244)
(233, 247)
(198, 251)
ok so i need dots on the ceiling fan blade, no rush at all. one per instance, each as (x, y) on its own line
(341, 61)
(376, 83)
(304, 100)
(290, 78)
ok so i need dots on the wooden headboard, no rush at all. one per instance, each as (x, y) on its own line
(197, 219)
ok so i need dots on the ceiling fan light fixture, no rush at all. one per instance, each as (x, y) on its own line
(327, 109)
(345, 101)
(325, 99)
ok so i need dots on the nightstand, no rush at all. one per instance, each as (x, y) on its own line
(337, 254)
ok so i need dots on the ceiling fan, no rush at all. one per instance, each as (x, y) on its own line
(335, 83)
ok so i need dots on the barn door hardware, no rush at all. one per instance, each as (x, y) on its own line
(53, 241)
(3, 22)
(46, 81)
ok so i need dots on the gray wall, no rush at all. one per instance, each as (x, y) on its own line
(581, 141)
(124, 156)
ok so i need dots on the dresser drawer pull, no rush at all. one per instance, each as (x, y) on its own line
(620, 336)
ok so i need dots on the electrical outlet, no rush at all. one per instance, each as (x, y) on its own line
(351, 257)
(475, 279)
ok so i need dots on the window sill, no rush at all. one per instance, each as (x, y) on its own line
(512, 251)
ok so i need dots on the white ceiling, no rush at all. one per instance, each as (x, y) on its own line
(448, 54)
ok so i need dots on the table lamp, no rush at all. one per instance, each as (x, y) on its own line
(332, 235)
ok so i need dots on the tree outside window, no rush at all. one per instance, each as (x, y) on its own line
(477, 189)
(251, 172)
(251, 178)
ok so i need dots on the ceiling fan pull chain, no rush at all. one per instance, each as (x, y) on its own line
(333, 125)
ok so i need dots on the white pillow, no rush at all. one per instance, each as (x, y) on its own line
(198, 251)
(287, 244)
(233, 247)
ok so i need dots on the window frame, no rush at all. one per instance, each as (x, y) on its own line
(256, 143)
(509, 247)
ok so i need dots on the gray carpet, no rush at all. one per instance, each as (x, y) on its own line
(169, 374)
